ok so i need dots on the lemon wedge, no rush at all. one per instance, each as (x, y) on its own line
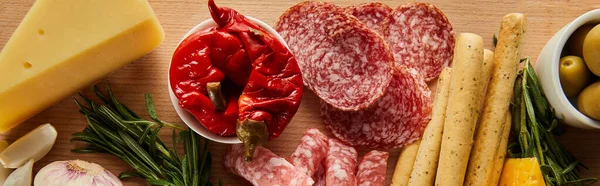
(4, 172)
(21, 176)
(33, 145)
(522, 172)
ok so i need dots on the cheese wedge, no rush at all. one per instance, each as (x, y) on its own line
(62, 46)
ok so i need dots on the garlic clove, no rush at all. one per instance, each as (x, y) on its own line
(33, 145)
(4, 172)
(75, 173)
(21, 176)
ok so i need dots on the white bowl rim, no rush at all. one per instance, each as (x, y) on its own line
(561, 42)
(187, 117)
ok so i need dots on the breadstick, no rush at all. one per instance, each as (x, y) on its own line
(501, 152)
(464, 103)
(488, 64)
(405, 164)
(497, 101)
(424, 168)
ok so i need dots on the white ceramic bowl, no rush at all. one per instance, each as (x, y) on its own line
(187, 117)
(547, 66)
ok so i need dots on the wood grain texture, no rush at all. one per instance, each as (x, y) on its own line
(149, 74)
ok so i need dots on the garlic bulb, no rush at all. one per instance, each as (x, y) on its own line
(75, 173)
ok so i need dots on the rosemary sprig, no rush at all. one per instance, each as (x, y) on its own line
(116, 129)
(535, 123)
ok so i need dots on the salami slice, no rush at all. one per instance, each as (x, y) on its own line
(319, 176)
(421, 37)
(311, 151)
(340, 164)
(372, 168)
(265, 169)
(371, 14)
(399, 118)
(345, 63)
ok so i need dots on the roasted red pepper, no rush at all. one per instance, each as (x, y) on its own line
(236, 78)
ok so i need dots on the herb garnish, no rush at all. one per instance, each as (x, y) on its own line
(115, 129)
(535, 123)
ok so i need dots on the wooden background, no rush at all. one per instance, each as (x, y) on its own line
(149, 74)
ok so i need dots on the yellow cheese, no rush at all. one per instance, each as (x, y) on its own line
(62, 46)
(522, 172)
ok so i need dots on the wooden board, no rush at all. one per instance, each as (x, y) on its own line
(149, 74)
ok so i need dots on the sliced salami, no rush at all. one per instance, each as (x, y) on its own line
(265, 169)
(340, 164)
(399, 118)
(319, 176)
(421, 37)
(372, 168)
(311, 151)
(345, 63)
(371, 14)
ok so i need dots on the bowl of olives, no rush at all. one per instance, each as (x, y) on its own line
(569, 71)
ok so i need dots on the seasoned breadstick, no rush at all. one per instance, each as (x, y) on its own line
(405, 164)
(501, 152)
(464, 103)
(488, 64)
(497, 101)
(424, 168)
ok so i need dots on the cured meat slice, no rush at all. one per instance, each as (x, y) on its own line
(319, 176)
(421, 37)
(345, 63)
(371, 14)
(399, 118)
(372, 168)
(311, 151)
(265, 169)
(340, 164)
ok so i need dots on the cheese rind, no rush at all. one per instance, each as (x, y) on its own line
(62, 46)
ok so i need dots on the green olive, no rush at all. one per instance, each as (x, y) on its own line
(591, 50)
(574, 75)
(575, 43)
(588, 101)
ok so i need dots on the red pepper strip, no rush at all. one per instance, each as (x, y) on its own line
(274, 94)
(274, 90)
(249, 33)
